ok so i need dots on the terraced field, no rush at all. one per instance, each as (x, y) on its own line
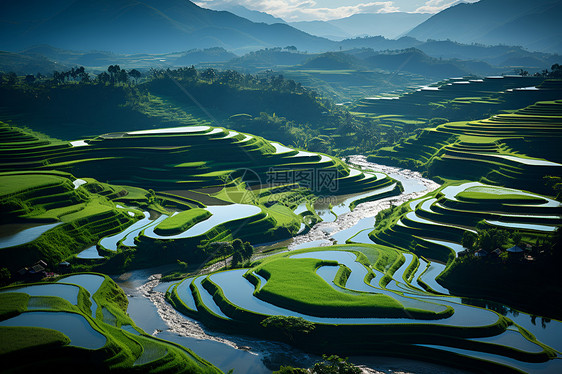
(434, 225)
(461, 98)
(213, 185)
(81, 321)
(514, 150)
(52, 215)
(144, 198)
(193, 156)
(339, 298)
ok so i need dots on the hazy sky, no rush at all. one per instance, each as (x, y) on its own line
(307, 10)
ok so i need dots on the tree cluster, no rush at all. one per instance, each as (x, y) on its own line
(115, 75)
(290, 327)
(266, 81)
(330, 365)
(239, 251)
(489, 238)
(555, 72)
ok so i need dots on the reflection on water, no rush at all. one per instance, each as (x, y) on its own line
(75, 326)
(264, 357)
(26, 236)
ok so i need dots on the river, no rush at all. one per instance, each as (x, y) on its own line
(148, 308)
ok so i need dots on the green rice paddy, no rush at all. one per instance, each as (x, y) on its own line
(515, 150)
(351, 293)
(57, 332)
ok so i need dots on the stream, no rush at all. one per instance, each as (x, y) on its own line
(149, 309)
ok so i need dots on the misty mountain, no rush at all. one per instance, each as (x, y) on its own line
(531, 24)
(414, 61)
(334, 61)
(140, 26)
(499, 55)
(389, 25)
(379, 43)
(267, 59)
(22, 64)
(323, 29)
(198, 56)
(252, 15)
(97, 61)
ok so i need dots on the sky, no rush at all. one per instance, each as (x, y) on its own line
(309, 10)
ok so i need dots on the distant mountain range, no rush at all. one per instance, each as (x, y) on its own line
(136, 27)
(252, 15)
(535, 24)
(410, 60)
(389, 25)
(139, 26)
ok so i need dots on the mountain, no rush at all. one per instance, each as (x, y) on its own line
(323, 29)
(414, 61)
(141, 26)
(252, 15)
(333, 61)
(389, 25)
(379, 43)
(197, 56)
(531, 24)
(264, 59)
(22, 64)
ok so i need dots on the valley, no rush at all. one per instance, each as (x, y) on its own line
(209, 188)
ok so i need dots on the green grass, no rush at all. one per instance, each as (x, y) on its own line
(12, 304)
(14, 339)
(293, 284)
(12, 184)
(181, 221)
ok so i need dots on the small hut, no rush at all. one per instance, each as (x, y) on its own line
(515, 252)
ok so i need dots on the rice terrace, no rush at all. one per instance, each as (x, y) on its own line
(234, 186)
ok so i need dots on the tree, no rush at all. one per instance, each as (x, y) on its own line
(209, 74)
(135, 74)
(113, 70)
(103, 77)
(122, 76)
(289, 326)
(236, 258)
(4, 276)
(238, 245)
(485, 241)
(248, 251)
(58, 77)
(222, 249)
(469, 240)
(335, 365)
(29, 79)
(291, 48)
(85, 77)
(516, 237)
(291, 370)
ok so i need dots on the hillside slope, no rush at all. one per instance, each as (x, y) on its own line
(142, 26)
(534, 25)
